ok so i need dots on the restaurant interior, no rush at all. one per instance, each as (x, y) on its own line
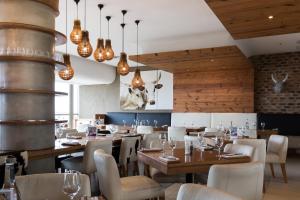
(149, 100)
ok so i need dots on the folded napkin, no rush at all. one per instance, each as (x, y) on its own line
(233, 155)
(74, 137)
(70, 143)
(169, 159)
(152, 150)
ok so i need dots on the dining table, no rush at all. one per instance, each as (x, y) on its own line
(196, 162)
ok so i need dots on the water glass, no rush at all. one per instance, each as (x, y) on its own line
(172, 144)
(219, 143)
(163, 139)
(71, 183)
(263, 124)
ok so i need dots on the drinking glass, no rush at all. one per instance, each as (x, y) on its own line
(200, 139)
(155, 123)
(71, 183)
(219, 143)
(172, 144)
(263, 124)
(163, 139)
(124, 123)
(148, 122)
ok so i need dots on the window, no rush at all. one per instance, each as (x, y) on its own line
(62, 103)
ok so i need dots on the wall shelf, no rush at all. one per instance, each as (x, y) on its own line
(31, 122)
(32, 91)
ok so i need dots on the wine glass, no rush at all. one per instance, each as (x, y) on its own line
(200, 139)
(219, 143)
(172, 144)
(155, 123)
(124, 122)
(263, 124)
(148, 122)
(163, 138)
(71, 183)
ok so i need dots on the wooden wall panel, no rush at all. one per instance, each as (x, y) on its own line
(207, 80)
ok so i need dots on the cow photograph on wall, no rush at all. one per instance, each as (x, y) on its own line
(157, 93)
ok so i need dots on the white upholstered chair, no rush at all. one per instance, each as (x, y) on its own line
(48, 186)
(128, 153)
(128, 188)
(239, 149)
(241, 180)
(86, 164)
(144, 129)
(176, 133)
(148, 138)
(259, 145)
(276, 153)
(199, 192)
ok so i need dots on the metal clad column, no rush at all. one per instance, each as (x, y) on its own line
(27, 41)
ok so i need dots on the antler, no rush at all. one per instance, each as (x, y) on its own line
(273, 78)
(286, 77)
(158, 79)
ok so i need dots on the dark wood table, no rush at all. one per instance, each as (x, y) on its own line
(198, 162)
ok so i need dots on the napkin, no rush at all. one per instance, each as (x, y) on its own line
(169, 159)
(233, 155)
(151, 150)
(70, 143)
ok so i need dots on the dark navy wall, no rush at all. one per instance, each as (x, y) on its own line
(118, 117)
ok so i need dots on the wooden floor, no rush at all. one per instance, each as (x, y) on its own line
(276, 188)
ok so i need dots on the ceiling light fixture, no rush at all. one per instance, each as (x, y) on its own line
(85, 48)
(100, 53)
(76, 35)
(123, 67)
(137, 81)
(270, 17)
(68, 72)
(108, 48)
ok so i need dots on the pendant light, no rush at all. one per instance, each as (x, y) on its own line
(108, 49)
(137, 81)
(76, 35)
(123, 67)
(100, 54)
(68, 72)
(85, 48)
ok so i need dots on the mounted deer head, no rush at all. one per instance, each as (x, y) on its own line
(278, 84)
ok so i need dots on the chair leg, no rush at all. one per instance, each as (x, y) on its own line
(272, 170)
(136, 168)
(283, 170)
(125, 170)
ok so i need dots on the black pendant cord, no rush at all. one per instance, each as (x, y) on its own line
(77, 1)
(67, 25)
(123, 26)
(137, 43)
(100, 8)
(85, 15)
(108, 18)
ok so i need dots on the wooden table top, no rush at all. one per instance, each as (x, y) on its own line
(197, 162)
(267, 132)
(60, 149)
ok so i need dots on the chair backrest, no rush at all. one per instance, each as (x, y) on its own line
(148, 138)
(128, 150)
(242, 180)
(144, 129)
(91, 146)
(239, 149)
(195, 192)
(278, 144)
(108, 175)
(177, 133)
(259, 145)
(48, 186)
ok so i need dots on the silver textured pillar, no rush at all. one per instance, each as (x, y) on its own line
(27, 41)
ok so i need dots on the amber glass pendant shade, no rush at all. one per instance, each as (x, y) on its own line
(108, 49)
(68, 73)
(123, 67)
(137, 81)
(85, 48)
(76, 34)
(100, 54)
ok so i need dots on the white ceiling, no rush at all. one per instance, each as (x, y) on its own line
(167, 25)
